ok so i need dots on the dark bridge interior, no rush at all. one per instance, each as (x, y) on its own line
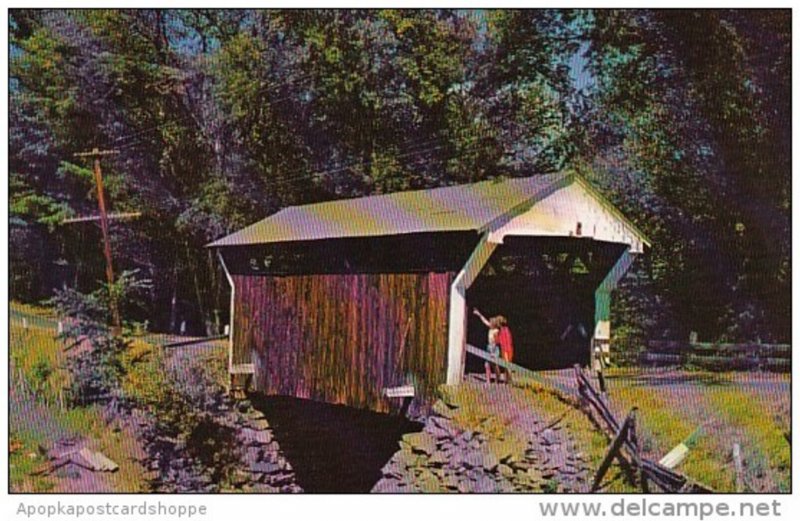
(333, 448)
(545, 288)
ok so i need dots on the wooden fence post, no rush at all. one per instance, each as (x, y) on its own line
(613, 450)
(737, 462)
(637, 452)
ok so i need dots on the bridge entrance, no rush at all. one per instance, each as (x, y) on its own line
(545, 287)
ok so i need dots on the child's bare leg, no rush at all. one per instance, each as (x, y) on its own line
(488, 372)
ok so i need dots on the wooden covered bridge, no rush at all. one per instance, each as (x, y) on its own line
(343, 300)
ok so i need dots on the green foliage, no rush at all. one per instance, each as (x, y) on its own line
(24, 459)
(187, 408)
(40, 373)
(96, 369)
(26, 203)
(687, 112)
(222, 117)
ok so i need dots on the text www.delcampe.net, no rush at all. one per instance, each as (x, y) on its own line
(647, 507)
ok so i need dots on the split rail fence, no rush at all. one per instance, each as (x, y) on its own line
(624, 445)
(719, 356)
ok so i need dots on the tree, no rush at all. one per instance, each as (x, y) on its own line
(685, 111)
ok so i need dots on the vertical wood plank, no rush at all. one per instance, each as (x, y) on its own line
(337, 338)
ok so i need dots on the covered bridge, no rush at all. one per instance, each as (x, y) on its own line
(340, 301)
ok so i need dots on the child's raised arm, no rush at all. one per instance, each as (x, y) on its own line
(480, 316)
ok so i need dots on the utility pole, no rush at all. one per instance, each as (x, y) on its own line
(96, 153)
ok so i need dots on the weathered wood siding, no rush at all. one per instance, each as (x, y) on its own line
(343, 338)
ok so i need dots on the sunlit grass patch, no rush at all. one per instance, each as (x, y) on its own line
(725, 410)
(31, 309)
(667, 419)
(761, 437)
(24, 459)
(38, 360)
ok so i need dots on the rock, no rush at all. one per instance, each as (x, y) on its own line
(464, 486)
(280, 479)
(239, 478)
(393, 469)
(421, 442)
(450, 482)
(503, 450)
(443, 424)
(252, 455)
(259, 425)
(439, 458)
(255, 437)
(255, 414)
(483, 484)
(490, 462)
(264, 467)
(473, 460)
(385, 486)
(504, 487)
(438, 433)
(548, 437)
(534, 474)
(442, 409)
(558, 460)
(427, 482)
(505, 471)
(456, 456)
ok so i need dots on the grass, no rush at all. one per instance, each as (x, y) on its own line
(758, 430)
(24, 459)
(473, 414)
(39, 357)
(31, 309)
(38, 360)
(662, 425)
(726, 411)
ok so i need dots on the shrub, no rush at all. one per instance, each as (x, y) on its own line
(95, 367)
(40, 373)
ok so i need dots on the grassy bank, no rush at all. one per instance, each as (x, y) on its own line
(718, 410)
(39, 416)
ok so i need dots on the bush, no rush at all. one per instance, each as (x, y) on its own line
(185, 405)
(95, 367)
(40, 373)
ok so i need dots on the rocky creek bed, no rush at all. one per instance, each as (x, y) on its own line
(258, 464)
(508, 448)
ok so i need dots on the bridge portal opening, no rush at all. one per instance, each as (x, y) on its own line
(545, 287)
